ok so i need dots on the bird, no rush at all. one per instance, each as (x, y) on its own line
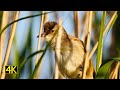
(72, 52)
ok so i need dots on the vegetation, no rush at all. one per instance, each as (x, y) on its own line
(93, 27)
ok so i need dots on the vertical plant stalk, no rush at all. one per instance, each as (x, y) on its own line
(87, 45)
(9, 45)
(100, 42)
(113, 18)
(2, 37)
(57, 50)
(56, 76)
(38, 45)
(85, 26)
(117, 70)
(59, 76)
(44, 21)
(114, 73)
(76, 24)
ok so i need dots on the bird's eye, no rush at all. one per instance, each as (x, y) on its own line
(52, 30)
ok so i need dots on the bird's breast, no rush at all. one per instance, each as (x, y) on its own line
(70, 62)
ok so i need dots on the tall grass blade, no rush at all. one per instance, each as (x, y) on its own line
(27, 59)
(39, 62)
(31, 16)
(100, 42)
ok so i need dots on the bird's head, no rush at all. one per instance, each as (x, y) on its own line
(50, 31)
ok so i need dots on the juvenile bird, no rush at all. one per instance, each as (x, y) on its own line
(72, 52)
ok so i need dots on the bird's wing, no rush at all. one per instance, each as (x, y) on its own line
(79, 42)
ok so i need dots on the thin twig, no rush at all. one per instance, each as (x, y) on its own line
(9, 46)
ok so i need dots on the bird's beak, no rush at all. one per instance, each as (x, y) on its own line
(43, 34)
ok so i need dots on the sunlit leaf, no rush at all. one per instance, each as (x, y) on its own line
(104, 70)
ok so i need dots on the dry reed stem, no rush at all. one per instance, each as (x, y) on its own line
(56, 76)
(114, 72)
(40, 32)
(116, 75)
(105, 30)
(109, 23)
(2, 37)
(57, 51)
(84, 32)
(87, 45)
(38, 45)
(76, 24)
(119, 72)
(93, 50)
(44, 21)
(9, 45)
(59, 76)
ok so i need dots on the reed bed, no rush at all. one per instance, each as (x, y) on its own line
(83, 29)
